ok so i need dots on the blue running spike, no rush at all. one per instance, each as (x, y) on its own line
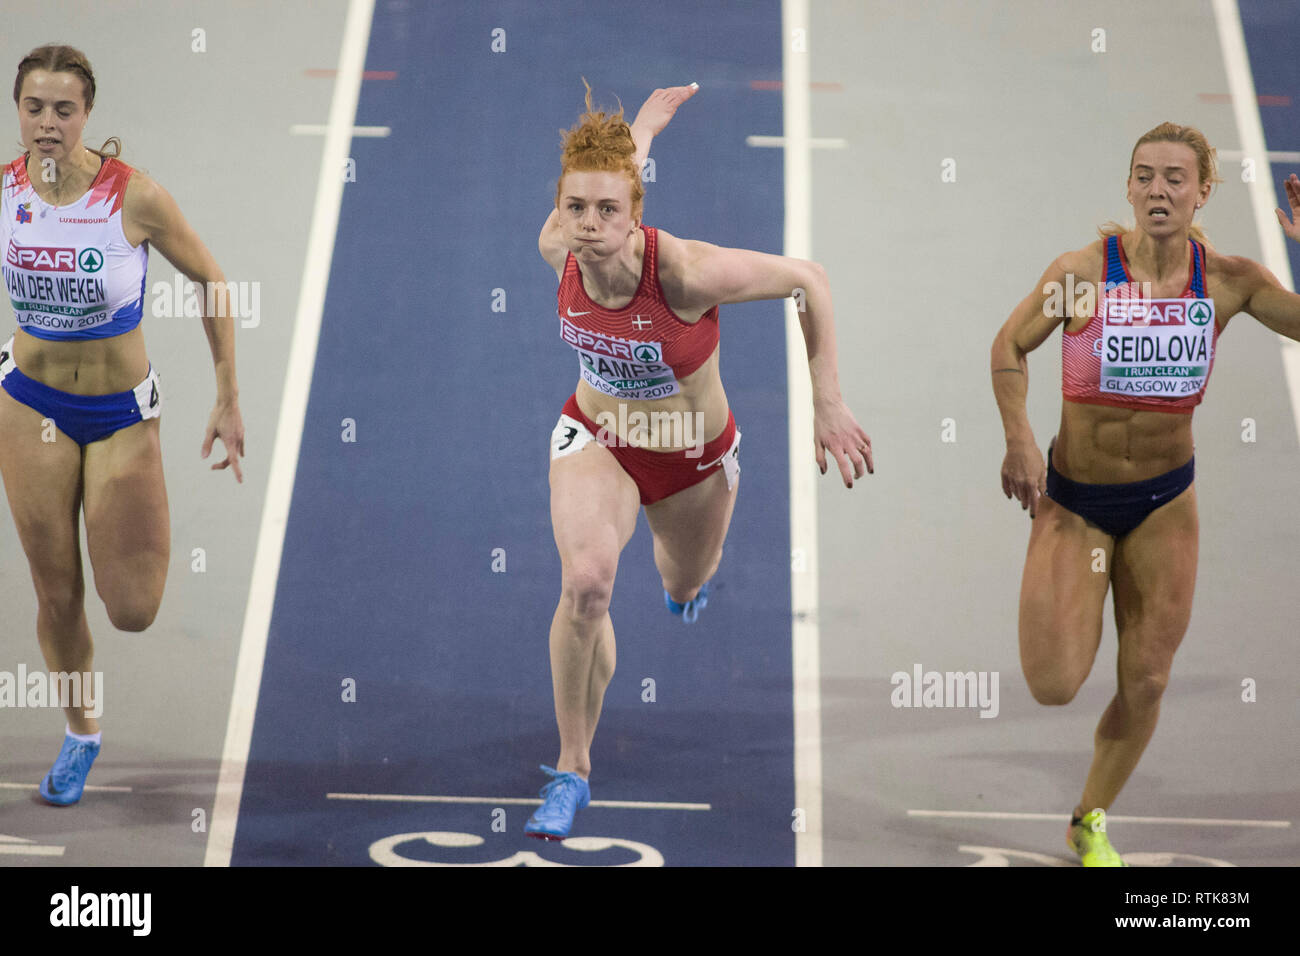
(690, 611)
(564, 796)
(66, 780)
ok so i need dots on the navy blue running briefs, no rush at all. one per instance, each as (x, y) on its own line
(1118, 509)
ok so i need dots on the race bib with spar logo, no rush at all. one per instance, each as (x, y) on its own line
(1156, 347)
(59, 288)
(620, 367)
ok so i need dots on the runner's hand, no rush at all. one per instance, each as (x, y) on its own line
(837, 431)
(1291, 226)
(226, 423)
(1024, 475)
(659, 108)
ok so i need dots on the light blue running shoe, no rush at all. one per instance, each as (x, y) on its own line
(692, 608)
(64, 783)
(565, 795)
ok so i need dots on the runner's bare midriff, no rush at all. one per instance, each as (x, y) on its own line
(701, 391)
(1103, 444)
(84, 366)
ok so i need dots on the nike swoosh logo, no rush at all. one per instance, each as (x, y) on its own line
(574, 315)
(733, 453)
(1158, 497)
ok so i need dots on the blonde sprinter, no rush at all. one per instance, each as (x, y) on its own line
(1119, 475)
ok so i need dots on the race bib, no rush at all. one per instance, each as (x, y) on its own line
(620, 367)
(49, 290)
(1156, 347)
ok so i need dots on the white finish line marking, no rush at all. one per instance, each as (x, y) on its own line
(516, 801)
(21, 846)
(35, 786)
(813, 141)
(1110, 818)
(307, 129)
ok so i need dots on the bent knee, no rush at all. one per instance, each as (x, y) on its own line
(686, 572)
(1055, 686)
(132, 616)
(586, 592)
(1056, 659)
(1055, 693)
(680, 580)
(132, 609)
(131, 598)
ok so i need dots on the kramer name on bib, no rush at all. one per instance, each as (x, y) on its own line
(619, 367)
(1156, 346)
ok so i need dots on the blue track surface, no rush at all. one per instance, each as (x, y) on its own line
(387, 572)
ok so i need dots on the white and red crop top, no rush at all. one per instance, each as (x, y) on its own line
(1138, 352)
(69, 270)
(638, 352)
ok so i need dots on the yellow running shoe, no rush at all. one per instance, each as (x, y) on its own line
(1088, 839)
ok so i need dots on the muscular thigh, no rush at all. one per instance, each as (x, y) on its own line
(692, 524)
(128, 531)
(1063, 592)
(43, 483)
(593, 509)
(1155, 577)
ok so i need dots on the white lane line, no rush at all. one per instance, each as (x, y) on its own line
(805, 636)
(1110, 818)
(34, 850)
(1250, 133)
(1274, 156)
(21, 846)
(36, 786)
(288, 434)
(517, 801)
(307, 129)
(813, 142)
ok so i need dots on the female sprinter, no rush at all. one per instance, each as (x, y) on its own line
(1115, 503)
(79, 413)
(640, 307)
